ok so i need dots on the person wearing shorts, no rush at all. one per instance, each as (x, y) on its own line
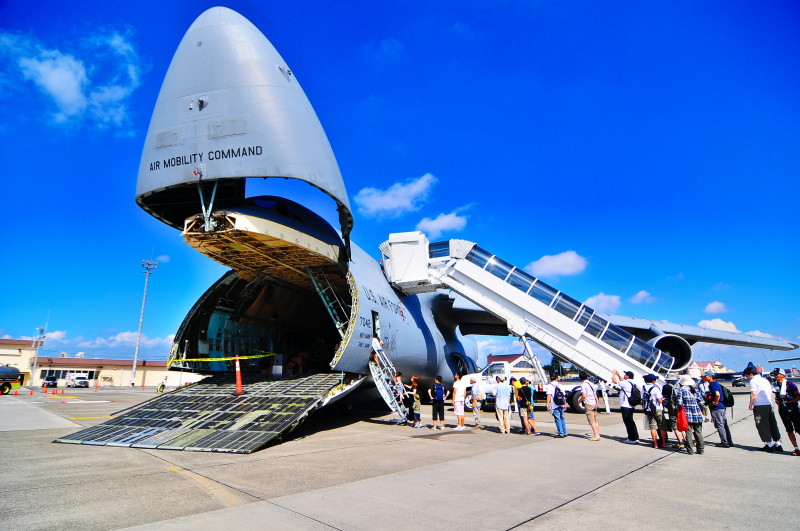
(525, 394)
(590, 402)
(654, 411)
(459, 395)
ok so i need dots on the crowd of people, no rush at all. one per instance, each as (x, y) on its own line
(680, 407)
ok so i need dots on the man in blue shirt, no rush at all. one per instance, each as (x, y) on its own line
(714, 401)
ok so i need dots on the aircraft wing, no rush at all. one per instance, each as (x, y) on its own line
(697, 334)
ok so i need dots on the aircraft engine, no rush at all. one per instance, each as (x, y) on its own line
(675, 346)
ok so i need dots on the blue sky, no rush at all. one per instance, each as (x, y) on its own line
(641, 156)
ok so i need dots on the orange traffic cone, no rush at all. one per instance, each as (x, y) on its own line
(16, 392)
(239, 388)
(30, 392)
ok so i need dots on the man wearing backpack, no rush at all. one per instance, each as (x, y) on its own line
(556, 404)
(715, 402)
(627, 395)
(653, 402)
(438, 395)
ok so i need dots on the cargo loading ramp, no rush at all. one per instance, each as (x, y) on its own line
(208, 417)
(531, 309)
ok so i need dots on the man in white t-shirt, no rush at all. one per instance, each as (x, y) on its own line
(459, 395)
(556, 404)
(653, 402)
(589, 401)
(761, 406)
(625, 385)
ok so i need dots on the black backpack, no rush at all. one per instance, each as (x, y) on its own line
(727, 397)
(558, 397)
(636, 395)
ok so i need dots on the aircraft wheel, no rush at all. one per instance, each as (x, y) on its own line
(468, 402)
(575, 403)
(5, 389)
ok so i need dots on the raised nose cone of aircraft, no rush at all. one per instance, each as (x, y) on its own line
(230, 109)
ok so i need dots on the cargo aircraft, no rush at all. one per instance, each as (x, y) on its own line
(301, 303)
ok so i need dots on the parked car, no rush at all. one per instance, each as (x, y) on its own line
(50, 382)
(78, 381)
(738, 382)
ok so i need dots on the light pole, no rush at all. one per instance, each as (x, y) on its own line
(147, 265)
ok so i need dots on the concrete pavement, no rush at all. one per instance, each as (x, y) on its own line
(364, 473)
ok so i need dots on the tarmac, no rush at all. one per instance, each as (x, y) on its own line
(361, 471)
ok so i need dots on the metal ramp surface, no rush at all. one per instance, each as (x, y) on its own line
(207, 417)
(531, 308)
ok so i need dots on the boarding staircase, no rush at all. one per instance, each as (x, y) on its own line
(532, 309)
(383, 372)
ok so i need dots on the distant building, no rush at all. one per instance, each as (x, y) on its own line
(697, 368)
(20, 353)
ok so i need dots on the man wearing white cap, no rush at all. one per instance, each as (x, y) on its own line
(787, 396)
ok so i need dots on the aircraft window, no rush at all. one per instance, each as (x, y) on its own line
(543, 293)
(585, 315)
(499, 268)
(596, 326)
(567, 306)
(439, 249)
(617, 338)
(478, 256)
(520, 280)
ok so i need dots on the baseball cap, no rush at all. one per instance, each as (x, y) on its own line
(708, 373)
(779, 371)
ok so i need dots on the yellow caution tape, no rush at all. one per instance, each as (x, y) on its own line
(231, 358)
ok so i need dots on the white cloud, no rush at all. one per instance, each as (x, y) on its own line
(398, 199)
(92, 84)
(566, 263)
(163, 259)
(52, 336)
(643, 297)
(126, 339)
(719, 324)
(759, 333)
(715, 307)
(442, 223)
(498, 346)
(604, 303)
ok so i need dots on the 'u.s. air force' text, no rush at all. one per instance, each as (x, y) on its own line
(197, 158)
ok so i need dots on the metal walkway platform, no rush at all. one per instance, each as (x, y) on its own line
(207, 417)
(529, 307)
